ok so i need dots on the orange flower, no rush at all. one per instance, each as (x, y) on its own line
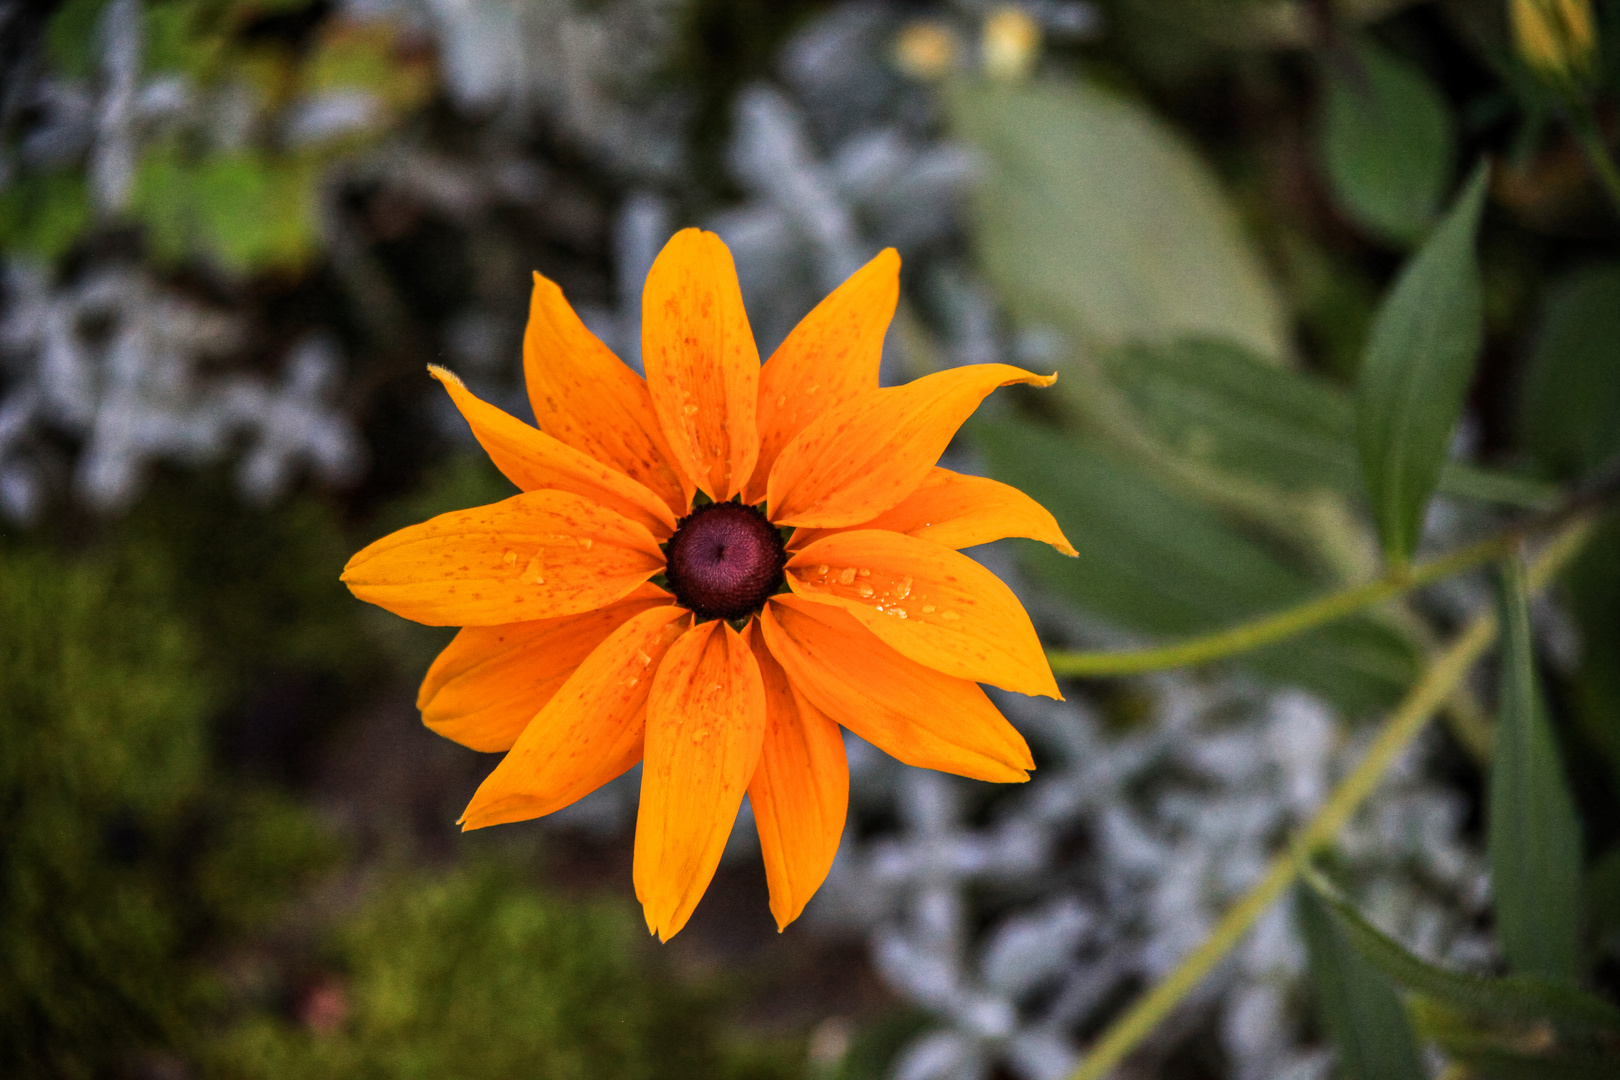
(732, 673)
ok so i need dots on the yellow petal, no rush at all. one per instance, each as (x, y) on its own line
(705, 724)
(490, 681)
(538, 555)
(588, 398)
(831, 357)
(861, 458)
(800, 791)
(702, 365)
(908, 711)
(588, 733)
(534, 461)
(961, 511)
(929, 603)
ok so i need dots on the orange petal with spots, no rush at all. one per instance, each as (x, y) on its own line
(705, 725)
(490, 681)
(588, 733)
(929, 603)
(861, 458)
(702, 365)
(908, 711)
(533, 461)
(800, 790)
(831, 357)
(588, 398)
(538, 555)
(958, 511)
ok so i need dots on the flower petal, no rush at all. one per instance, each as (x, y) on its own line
(929, 603)
(705, 724)
(800, 791)
(831, 357)
(490, 681)
(857, 460)
(588, 398)
(588, 733)
(960, 511)
(909, 711)
(702, 365)
(538, 555)
(533, 461)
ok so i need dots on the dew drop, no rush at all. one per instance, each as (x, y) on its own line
(587, 543)
(864, 572)
(901, 612)
(847, 575)
(632, 681)
(865, 589)
(700, 734)
(781, 401)
(950, 616)
(689, 410)
(928, 609)
(904, 590)
(510, 558)
(646, 661)
(812, 388)
(822, 569)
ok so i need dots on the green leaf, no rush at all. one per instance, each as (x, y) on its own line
(1157, 563)
(1415, 375)
(1534, 835)
(1387, 141)
(1498, 1052)
(1217, 403)
(1570, 411)
(1095, 216)
(44, 215)
(1516, 998)
(1359, 1008)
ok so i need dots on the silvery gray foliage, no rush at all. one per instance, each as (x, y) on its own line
(124, 368)
(584, 67)
(1173, 822)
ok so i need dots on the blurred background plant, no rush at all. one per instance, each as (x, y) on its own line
(1306, 346)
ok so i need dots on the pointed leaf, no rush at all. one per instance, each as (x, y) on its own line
(1415, 375)
(1524, 998)
(1387, 142)
(1357, 1005)
(1534, 835)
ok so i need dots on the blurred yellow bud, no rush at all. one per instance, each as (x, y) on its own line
(1554, 37)
(1011, 44)
(926, 49)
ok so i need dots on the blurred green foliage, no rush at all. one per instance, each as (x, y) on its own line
(234, 178)
(125, 857)
(474, 974)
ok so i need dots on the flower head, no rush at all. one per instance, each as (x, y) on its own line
(710, 570)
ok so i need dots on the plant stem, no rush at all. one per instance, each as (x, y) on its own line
(1283, 624)
(1443, 676)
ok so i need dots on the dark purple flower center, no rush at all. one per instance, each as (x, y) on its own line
(725, 560)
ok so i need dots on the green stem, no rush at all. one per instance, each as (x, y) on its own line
(1283, 624)
(1443, 676)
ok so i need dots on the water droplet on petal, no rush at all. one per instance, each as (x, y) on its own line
(949, 616)
(632, 681)
(822, 569)
(900, 611)
(700, 734)
(587, 543)
(646, 661)
(904, 590)
(928, 609)
(865, 589)
(510, 558)
(864, 572)
(847, 575)
(781, 401)
(689, 410)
